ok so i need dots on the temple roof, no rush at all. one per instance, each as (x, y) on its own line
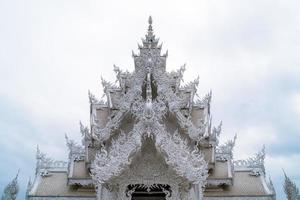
(56, 185)
(244, 185)
(151, 121)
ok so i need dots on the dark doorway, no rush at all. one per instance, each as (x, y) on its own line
(154, 192)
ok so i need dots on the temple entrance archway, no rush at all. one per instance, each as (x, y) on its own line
(152, 192)
(148, 177)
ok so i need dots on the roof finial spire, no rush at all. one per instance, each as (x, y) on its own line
(150, 24)
(150, 20)
(150, 41)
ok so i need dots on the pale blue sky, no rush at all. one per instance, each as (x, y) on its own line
(53, 51)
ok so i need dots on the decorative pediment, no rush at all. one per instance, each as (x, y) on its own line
(130, 160)
(144, 101)
(187, 162)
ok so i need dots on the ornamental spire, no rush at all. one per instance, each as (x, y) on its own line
(150, 41)
(150, 30)
(11, 190)
(290, 188)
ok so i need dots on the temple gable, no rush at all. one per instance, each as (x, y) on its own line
(152, 138)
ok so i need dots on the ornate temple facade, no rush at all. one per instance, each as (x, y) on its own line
(150, 140)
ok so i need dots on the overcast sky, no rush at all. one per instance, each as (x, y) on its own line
(53, 51)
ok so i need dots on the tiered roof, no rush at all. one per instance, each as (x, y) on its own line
(151, 117)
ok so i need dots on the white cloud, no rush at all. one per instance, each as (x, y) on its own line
(251, 140)
(295, 102)
(288, 163)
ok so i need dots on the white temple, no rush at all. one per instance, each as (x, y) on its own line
(151, 140)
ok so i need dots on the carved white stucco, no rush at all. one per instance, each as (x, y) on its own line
(149, 95)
